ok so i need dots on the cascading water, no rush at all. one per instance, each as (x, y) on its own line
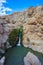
(19, 42)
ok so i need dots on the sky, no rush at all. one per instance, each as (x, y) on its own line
(11, 6)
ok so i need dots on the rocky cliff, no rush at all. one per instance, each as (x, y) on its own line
(32, 22)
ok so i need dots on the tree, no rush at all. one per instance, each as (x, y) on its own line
(13, 37)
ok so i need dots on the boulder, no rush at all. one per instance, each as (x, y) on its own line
(31, 59)
(2, 60)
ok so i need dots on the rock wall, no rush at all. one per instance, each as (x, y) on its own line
(32, 22)
(33, 30)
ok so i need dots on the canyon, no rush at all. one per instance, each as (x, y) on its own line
(32, 22)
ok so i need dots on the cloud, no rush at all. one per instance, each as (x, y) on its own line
(3, 9)
(2, 1)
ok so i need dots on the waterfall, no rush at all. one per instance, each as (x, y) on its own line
(19, 41)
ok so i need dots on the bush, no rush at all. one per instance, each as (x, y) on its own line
(13, 37)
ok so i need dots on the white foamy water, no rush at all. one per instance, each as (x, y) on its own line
(19, 42)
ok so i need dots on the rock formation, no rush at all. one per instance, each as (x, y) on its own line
(2, 60)
(31, 59)
(32, 22)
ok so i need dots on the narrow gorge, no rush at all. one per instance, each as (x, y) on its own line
(32, 22)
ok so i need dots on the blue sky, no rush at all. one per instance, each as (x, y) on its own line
(11, 6)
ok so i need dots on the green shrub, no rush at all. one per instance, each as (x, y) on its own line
(13, 37)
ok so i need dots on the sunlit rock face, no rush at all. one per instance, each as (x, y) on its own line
(33, 34)
(32, 22)
(33, 30)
